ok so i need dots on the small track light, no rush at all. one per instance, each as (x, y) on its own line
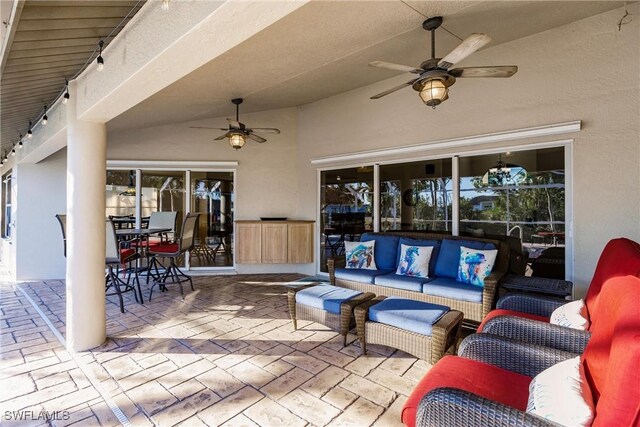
(45, 118)
(165, 5)
(100, 60)
(13, 151)
(66, 96)
(20, 142)
(29, 133)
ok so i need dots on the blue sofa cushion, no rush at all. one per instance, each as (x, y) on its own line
(450, 288)
(410, 315)
(325, 297)
(449, 256)
(386, 250)
(419, 242)
(398, 281)
(360, 274)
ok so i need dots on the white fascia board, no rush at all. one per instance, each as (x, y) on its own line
(171, 165)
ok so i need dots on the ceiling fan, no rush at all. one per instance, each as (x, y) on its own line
(435, 76)
(237, 132)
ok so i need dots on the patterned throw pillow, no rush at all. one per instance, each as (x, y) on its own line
(475, 265)
(360, 255)
(561, 394)
(414, 260)
(571, 315)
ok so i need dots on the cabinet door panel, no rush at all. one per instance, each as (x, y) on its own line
(249, 243)
(274, 243)
(300, 238)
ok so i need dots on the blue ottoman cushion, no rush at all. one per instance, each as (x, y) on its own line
(325, 297)
(385, 251)
(361, 275)
(449, 255)
(450, 288)
(410, 315)
(398, 281)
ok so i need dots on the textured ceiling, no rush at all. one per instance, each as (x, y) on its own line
(52, 40)
(323, 49)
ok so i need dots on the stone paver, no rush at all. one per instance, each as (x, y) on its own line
(227, 355)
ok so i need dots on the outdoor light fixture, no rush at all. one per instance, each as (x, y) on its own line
(13, 151)
(165, 5)
(66, 96)
(45, 118)
(100, 60)
(20, 142)
(29, 133)
(434, 92)
(237, 140)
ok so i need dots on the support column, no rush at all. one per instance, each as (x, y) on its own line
(455, 195)
(86, 181)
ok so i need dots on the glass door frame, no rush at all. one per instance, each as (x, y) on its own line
(187, 167)
(567, 144)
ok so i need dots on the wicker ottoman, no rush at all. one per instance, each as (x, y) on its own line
(329, 305)
(437, 325)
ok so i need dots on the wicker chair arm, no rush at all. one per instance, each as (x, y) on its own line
(489, 290)
(362, 311)
(332, 265)
(532, 304)
(444, 333)
(445, 407)
(539, 333)
(523, 358)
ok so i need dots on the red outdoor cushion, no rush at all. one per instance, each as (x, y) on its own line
(165, 248)
(476, 377)
(126, 253)
(500, 312)
(620, 257)
(612, 356)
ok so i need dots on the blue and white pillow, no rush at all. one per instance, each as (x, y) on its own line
(414, 260)
(475, 265)
(360, 255)
(571, 315)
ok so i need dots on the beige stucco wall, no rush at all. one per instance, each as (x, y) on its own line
(587, 71)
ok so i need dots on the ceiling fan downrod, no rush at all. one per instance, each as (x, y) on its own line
(237, 102)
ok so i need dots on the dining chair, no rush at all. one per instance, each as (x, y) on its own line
(62, 219)
(117, 256)
(174, 250)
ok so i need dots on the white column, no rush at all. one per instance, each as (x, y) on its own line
(455, 196)
(376, 197)
(138, 198)
(86, 182)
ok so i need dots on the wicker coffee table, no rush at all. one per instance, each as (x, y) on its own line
(336, 313)
(443, 332)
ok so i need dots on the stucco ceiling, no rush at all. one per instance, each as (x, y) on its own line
(323, 49)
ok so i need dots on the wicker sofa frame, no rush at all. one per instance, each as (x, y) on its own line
(472, 310)
(429, 348)
(341, 323)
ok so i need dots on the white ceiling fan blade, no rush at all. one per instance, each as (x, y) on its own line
(234, 123)
(496, 71)
(265, 130)
(395, 67)
(467, 47)
(256, 138)
(206, 127)
(393, 89)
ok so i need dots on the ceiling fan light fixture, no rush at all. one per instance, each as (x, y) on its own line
(434, 92)
(237, 140)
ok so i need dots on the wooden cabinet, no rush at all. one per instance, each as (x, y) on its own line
(274, 242)
(299, 243)
(248, 243)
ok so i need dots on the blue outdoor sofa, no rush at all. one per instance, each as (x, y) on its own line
(441, 287)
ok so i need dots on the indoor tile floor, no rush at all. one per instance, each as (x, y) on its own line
(226, 355)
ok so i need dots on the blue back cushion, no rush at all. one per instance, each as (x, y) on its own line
(449, 256)
(385, 251)
(418, 242)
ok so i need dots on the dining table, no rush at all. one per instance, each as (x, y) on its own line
(142, 235)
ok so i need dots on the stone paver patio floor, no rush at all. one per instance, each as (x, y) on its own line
(226, 355)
